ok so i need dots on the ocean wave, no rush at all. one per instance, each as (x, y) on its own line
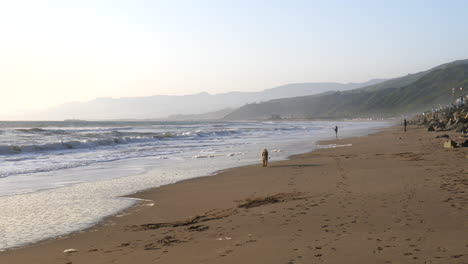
(73, 144)
(42, 131)
(203, 134)
(98, 129)
(40, 140)
(50, 163)
(30, 130)
(55, 166)
(139, 134)
(112, 138)
(70, 130)
(203, 156)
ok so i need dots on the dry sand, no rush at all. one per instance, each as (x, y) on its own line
(391, 197)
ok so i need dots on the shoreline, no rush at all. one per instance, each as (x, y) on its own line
(140, 202)
(136, 201)
(152, 193)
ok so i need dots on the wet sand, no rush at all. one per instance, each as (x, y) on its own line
(391, 197)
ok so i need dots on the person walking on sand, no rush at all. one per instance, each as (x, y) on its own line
(265, 157)
(404, 123)
(336, 131)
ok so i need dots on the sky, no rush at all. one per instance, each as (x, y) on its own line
(54, 52)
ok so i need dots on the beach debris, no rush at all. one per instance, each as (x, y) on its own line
(442, 249)
(164, 242)
(276, 198)
(260, 201)
(430, 128)
(169, 240)
(70, 250)
(464, 143)
(214, 215)
(450, 144)
(223, 238)
(198, 228)
(443, 136)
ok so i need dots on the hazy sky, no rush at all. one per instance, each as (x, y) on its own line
(52, 52)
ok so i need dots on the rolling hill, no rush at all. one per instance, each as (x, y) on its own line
(400, 96)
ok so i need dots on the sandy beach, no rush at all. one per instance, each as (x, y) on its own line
(391, 197)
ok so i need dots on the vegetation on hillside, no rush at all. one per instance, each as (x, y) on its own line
(409, 95)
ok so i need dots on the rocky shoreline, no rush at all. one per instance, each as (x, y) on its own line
(453, 118)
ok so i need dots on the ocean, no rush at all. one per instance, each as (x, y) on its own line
(61, 177)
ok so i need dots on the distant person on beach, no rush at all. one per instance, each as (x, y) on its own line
(404, 123)
(336, 131)
(265, 157)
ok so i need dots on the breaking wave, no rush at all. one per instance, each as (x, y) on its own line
(95, 140)
(73, 144)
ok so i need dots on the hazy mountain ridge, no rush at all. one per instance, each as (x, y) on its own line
(404, 95)
(220, 114)
(162, 106)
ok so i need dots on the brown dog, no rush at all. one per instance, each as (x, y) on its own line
(265, 157)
